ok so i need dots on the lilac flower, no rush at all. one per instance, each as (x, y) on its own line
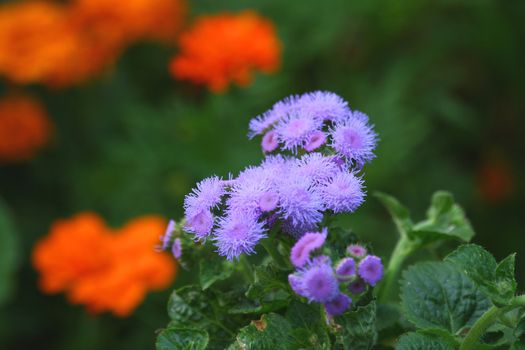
(338, 305)
(176, 248)
(299, 203)
(300, 253)
(355, 139)
(343, 192)
(268, 201)
(295, 130)
(167, 235)
(320, 284)
(315, 167)
(371, 269)
(269, 141)
(345, 268)
(356, 250)
(296, 283)
(200, 223)
(316, 140)
(357, 287)
(297, 230)
(268, 119)
(325, 106)
(321, 260)
(238, 233)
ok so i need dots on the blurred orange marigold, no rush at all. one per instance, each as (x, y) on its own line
(226, 48)
(104, 269)
(24, 128)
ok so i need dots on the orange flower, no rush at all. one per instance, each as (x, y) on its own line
(226, 48)
(104, 269)
(24, 128)
(126, 21)
(495, 178)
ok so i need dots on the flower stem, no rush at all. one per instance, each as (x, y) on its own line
(471, 341)
(246, 268)
(403, 249)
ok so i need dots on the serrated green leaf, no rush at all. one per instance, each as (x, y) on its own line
(418, 341)
(496, 281)
(8, 254)
(267, 278)
(308, 330)
(271, 332)
(445, 219)
(439, 295)
(357, 329)
(182, 339)
(213, 269)
(398, 212)
(187, 306)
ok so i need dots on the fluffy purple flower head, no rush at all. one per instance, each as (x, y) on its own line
(324, 106)
(300, 203)
(238, 233)
(338, 305)
(320, 284)
(315, 167)
(356, 250)
(296, 130)
(343, 192)
(206, 195)
(270, 142)
(176, 248)
(296, 283)
(200, 223)
(268, 201)
(166, 238)
(268, 119)
(371, 269)
(357, 287)
(300, 253)
(355, 139)
(345, 268)
(316, 140)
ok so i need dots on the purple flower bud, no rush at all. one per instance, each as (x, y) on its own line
(356, 250)
(296, 283)
(268, 201)
(338, 306)
(345, 269)
(176, 248)
(167, 235)
(320, 284)
(357, 287)
(300, 253)
(371, 269)
(269, 141)
(200, 224)
(316, 140)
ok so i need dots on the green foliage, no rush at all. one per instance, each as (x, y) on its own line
(174, 338)
(8, 254)
(495, 280)
(358, 328)
(439, 295)
(271, 332)
(418, 341)
(212, 270)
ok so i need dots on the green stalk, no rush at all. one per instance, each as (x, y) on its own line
(246, 268)
(402, 250)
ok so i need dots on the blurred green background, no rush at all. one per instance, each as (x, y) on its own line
(443, 81)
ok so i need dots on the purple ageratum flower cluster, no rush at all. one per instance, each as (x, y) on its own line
(313, 120)
(168, 240)
(292, 191)
(318, 280)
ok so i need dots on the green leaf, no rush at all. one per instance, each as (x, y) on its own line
(439, 295)
(399, 213)
(267, 278)
(182, 339)
(271, 301)
(388, 315)
(213, 269)
(9, 254)
(356, 330)
(445, 219)
(418, 341)
(271, 332)
(496, 281)
(308, 329)
(188, 306)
